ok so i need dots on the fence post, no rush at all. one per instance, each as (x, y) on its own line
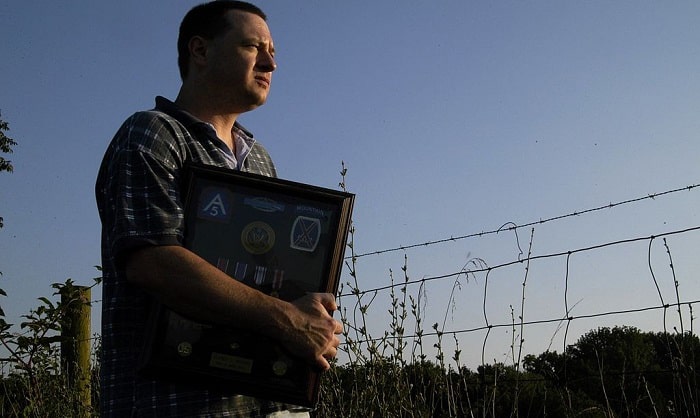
(75, 344)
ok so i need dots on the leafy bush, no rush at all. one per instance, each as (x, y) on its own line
(34, 382)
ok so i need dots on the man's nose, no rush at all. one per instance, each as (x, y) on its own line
(267, 62)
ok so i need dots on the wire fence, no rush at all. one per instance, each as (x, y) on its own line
(650, 292)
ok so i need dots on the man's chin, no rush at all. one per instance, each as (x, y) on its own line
(258, 99)
(251, 105)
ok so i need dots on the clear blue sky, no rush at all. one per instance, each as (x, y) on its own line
(453, 117)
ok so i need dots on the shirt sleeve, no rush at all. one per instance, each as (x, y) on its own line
(139, 184)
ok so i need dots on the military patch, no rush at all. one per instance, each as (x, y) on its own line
(312, 211)
(258, 237)
(306, 233)
(215, 204)
(264, 204)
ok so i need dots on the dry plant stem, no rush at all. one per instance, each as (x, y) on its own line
(675, 285)
(651, 398)
(398, 315)
(656, 283)
(513, 333)
(522, 301)
(521, 318)
(486, 318)
(684, 381)
(416, 311)
(602, 384)
(354, 345)
(567, 311)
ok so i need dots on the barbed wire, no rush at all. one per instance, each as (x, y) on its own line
(514, 227)
(533, 322)
(357, 292)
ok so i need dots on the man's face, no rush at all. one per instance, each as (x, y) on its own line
(240, 63)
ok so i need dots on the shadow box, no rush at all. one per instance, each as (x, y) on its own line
(283, 238)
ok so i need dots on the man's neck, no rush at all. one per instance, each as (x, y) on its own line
(222, 123)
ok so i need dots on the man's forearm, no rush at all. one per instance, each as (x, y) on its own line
(190, 285)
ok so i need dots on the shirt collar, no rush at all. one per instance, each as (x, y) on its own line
(166, 106)
(244, 138)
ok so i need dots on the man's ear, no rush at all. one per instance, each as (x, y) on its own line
(198, 47)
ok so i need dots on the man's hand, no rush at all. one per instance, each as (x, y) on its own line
(312, 332)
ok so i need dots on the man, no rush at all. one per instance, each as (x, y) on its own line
(226, 60)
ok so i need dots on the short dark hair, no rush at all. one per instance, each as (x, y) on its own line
(207, 20)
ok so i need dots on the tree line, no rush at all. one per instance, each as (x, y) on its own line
(609, 372)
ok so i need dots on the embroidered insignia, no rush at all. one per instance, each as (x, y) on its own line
(264, 204)
(305, 233)
(258, 237)
(312, 211)
(215, 204)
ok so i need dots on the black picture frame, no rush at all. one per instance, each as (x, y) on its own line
(283, 238)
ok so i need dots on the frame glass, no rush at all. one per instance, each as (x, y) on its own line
(285, 239)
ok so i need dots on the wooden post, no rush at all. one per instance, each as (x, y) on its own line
(75, 345)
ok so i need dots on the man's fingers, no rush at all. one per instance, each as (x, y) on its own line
(321, 329)
(323, 364)
(338, 327)
(328, 302)
(331, 353)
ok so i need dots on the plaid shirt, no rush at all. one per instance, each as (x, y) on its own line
(139, 204)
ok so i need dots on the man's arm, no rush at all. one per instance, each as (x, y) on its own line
(190, 285)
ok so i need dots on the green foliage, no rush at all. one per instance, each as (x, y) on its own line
(609, 372)
(33, 382)
(6, 144)
(624, 371)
